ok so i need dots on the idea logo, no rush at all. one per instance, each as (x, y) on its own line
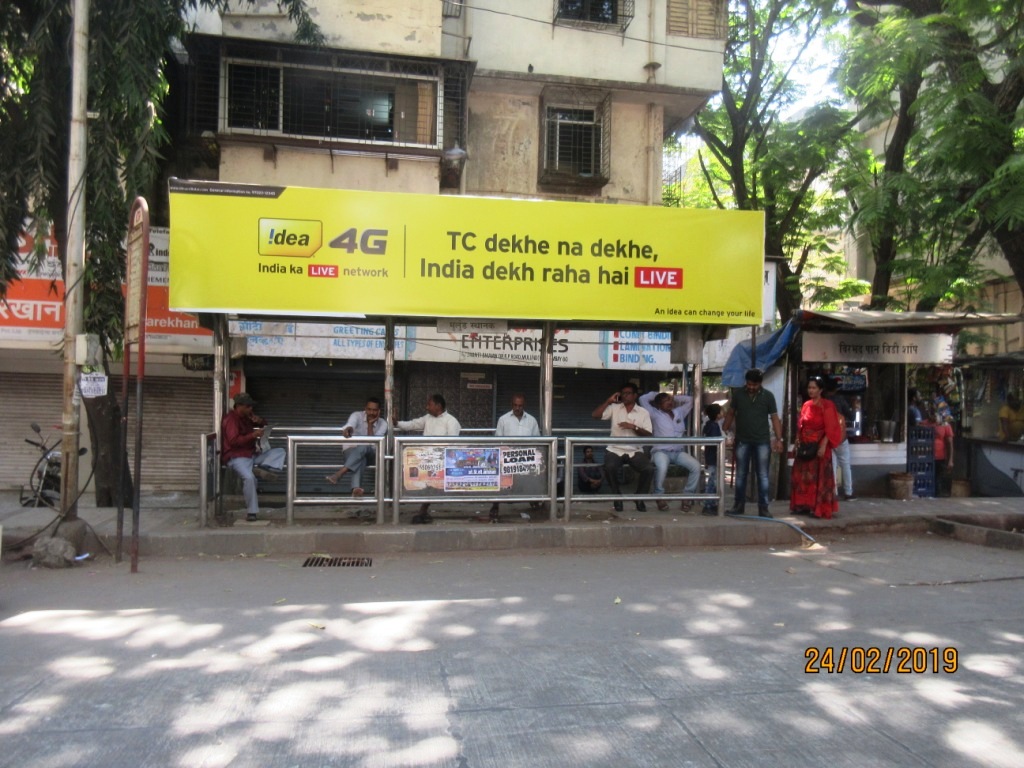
(290, 237)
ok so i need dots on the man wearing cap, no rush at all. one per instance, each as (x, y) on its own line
(240, 433)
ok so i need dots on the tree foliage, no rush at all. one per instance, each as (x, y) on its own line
(759, 155)
(129, 42)
(943, 81)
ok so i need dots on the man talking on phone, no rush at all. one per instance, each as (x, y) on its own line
(628, 420)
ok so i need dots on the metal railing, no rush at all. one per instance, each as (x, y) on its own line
(698, 442)
(293, 495)
(391, 470)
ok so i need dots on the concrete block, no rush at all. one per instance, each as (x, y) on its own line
(635, 536)
(584, 536)
(389, 539)
(442, 540)
(541, 537)
(340, 542)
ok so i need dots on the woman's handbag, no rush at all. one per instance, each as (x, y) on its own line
(807, 451)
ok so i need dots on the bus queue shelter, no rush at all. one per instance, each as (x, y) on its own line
(294, 252)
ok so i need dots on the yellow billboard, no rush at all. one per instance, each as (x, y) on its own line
(250, 249)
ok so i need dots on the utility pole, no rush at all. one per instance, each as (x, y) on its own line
(74, 269)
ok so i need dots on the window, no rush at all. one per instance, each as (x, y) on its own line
(576, 142)
(698, 18)
(616, 13)
(330, 104)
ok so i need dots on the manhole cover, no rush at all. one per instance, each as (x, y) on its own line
(319, 561)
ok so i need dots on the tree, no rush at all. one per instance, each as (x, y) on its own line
(765, 158)
(945, 78)
(128, 45)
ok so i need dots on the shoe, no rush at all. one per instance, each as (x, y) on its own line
(329, 478)
(763, 512)
(423, 518)
(737, 509)
(686, 506)
(250, 518)
(641, 507)
(848, 497)
(617, 506)
(357, 493)
(662, 505)
(263, 474)
(494, 513)
(709, 512)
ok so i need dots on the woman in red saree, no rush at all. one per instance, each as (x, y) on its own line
(813, 485)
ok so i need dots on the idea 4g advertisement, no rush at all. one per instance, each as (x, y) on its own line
(241, 248)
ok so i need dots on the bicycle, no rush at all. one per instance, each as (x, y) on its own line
(44, 482)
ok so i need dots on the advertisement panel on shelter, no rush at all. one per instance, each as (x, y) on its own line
(329, 252)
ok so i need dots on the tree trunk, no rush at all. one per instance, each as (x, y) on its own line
(104, 416)
(1012, 243)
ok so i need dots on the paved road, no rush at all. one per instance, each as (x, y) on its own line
(688, 657)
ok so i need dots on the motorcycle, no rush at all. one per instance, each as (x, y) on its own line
(44, 482)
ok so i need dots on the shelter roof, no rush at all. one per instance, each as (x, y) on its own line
(905, 322)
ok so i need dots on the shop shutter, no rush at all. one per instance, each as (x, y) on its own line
(176, 413)
(27, 397)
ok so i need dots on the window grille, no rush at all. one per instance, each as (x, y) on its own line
(594, 13)
(301, 95)
(577, 140)
(451, 8)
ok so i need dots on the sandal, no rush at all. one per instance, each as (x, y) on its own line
(331, 479)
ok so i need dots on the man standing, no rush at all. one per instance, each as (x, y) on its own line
(668, 416)
(240, 433)
(515, 423)
(366, 422)
(437, 422)
(628, 420)
(758, 434)
(841, 453)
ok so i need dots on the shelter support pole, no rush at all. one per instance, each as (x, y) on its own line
(389, 393)
(547, 379)
(221, 386)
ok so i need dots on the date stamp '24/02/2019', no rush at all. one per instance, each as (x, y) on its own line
(903, 660)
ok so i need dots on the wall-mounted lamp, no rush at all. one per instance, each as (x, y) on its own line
(652, 67)
(453, 160)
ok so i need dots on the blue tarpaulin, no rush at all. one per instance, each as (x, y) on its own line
(769, 349)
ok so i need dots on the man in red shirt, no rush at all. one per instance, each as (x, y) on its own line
(240, 433)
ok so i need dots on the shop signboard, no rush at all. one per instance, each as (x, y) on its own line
(33, 314)
(901, 348)
(610, 350)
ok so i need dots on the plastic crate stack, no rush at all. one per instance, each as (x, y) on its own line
(921, 459)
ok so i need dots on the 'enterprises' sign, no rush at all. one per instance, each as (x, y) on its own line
(933, 348)
(248, 249)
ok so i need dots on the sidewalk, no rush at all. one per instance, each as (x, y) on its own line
(169, 526)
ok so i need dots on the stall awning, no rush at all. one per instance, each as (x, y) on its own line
(906, 322)
(769, 349)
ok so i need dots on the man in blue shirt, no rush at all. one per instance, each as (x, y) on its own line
(668, 416)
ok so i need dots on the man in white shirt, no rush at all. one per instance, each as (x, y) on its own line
(628, 420)
(436, 422)
(515, 423)
(366, 422)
